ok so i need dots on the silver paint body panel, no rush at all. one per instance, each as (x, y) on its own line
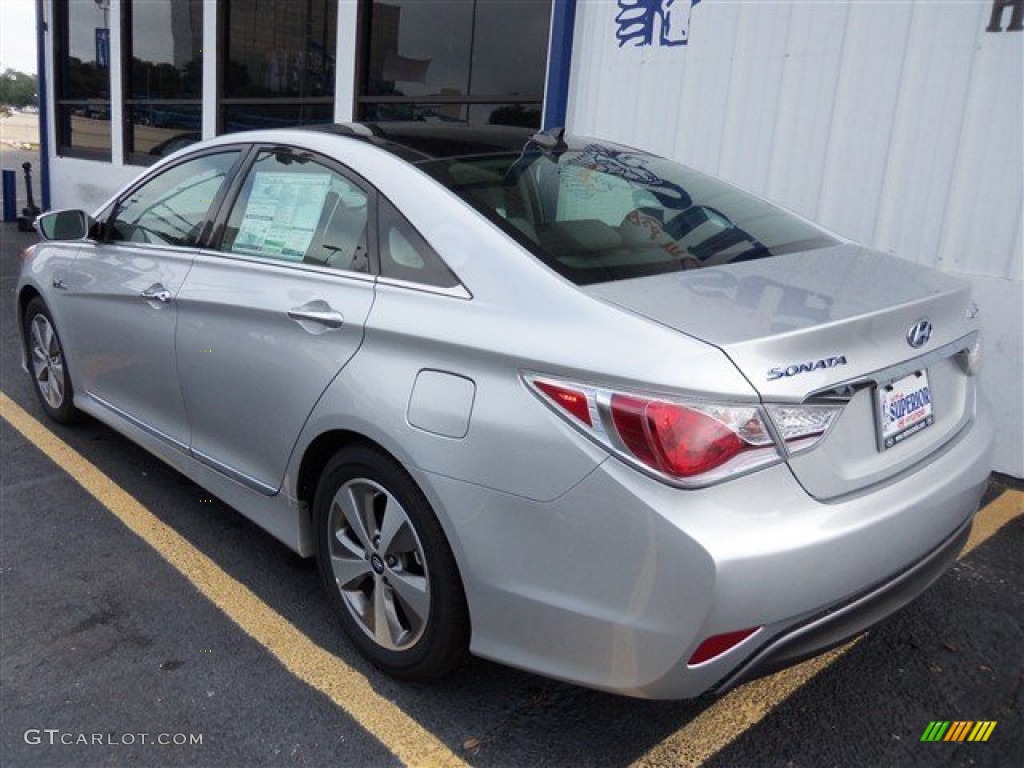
(575, 565)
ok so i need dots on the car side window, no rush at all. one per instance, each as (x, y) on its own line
(170, 208)
(405, 255)
(292, 208)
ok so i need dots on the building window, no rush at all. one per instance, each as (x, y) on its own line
(163, 76)
(277, 63)
(469, 61)
(82, 82)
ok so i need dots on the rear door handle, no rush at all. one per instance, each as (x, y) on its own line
(157, 292)
(319, 313)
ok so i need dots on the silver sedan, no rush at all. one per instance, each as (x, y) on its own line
(553, 401)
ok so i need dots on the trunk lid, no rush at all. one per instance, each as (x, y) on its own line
(827, 324)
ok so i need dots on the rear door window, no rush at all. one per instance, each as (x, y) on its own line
(294, 208)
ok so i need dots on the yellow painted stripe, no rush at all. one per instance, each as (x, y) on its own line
(740, 710)
(993, 517)
(988, 731)
(409, 741)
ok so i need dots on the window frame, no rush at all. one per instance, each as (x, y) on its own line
(61, 55)
(131, 154)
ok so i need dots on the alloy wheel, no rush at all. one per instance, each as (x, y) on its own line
(47, 361)
(378, 564)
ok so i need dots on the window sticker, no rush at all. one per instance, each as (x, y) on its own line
(282, 214)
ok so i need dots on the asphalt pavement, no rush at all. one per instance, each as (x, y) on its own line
(105, 639)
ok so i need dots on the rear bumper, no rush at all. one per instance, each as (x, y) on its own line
(841, 622)
(616, 583)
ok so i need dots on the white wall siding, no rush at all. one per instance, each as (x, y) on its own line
(804, 113)
(898, 124)
(86, 184)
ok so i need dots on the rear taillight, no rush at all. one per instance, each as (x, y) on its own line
(715, 646)
(686, 440)
(689, 443)
(802, 426)
(571, 400)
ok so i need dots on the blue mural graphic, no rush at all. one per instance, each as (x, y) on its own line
(642, 22)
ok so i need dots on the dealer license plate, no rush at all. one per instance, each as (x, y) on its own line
(904, 409)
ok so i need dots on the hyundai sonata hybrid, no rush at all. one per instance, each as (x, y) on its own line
(550, 400)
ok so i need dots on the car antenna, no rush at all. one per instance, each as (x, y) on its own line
(550, 141)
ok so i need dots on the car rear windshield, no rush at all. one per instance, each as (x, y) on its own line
(597, 213)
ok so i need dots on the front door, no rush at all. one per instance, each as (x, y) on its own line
(121, 309)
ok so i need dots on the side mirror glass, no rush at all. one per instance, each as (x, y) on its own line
(64, 225)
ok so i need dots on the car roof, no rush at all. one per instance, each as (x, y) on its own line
(420, 142)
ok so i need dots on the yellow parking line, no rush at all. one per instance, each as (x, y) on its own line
(405, 738)
(993, 517)
(740, 710)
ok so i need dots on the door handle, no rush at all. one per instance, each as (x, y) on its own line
(319, 312)
(157, 292)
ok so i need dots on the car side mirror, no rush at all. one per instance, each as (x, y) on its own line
(64, 225)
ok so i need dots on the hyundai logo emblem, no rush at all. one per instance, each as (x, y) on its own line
(919, 333)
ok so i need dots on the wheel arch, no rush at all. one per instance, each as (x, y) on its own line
(315, 458)
(26, 295)
(319, 452)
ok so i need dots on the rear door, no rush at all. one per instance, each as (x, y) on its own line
(121, 311)
(270, 317)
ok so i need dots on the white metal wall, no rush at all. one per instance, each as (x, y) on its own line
(898, 124)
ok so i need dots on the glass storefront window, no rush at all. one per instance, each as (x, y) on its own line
(280, 49)
(163, 41)
(84, 129)
(250, 117)
(526, 115)
(82, 87)
(277, 63)
(155, 130)
(460, 60)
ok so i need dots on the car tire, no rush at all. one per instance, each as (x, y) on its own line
(51, 380)
(387, 566)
